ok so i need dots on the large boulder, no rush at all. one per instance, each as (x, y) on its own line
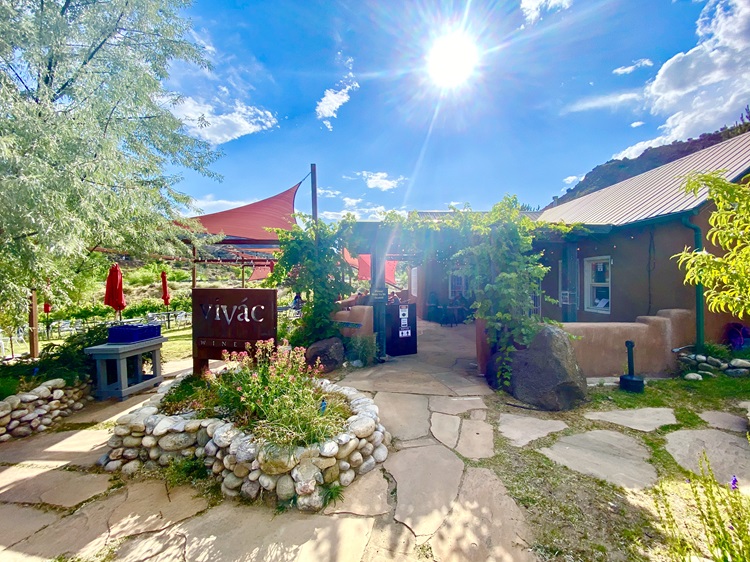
(546, 373)
(329, 351)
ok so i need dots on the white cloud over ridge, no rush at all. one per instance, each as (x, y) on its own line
(636, 64)
(532, 9)
(380, 180)
(219, 122)
(706, 87)
(572, 179)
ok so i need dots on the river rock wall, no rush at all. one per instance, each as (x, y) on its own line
(145, 438)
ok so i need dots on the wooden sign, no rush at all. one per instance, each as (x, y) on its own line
(229, 319)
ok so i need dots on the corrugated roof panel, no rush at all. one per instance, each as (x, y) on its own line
(657, 192)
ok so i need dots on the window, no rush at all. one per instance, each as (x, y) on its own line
(457, 286)
(597, 284)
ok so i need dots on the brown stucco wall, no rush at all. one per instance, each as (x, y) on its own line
(600, 346)
(644, 277)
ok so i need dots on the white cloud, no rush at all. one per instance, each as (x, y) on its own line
(603, 102)
(332, 100)
(209, 203)
(705, 88)
(636, 64)
(572, 179)
(380, 180)
(366, 212)
(329, 193)
(636, 124)
(203, 40)
(350, 203)
(222, 123)
(532, 9)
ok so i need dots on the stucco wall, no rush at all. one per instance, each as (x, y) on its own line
(600, 346)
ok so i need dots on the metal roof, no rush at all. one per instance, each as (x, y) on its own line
(655, 193)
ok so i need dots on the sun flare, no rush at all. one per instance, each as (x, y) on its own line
(452, 60)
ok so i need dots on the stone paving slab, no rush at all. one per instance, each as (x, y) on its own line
(476, 440)
(405, 415)
(20, 522)
(55, 449)
(411, 444)
(427, 480)
(485, 524)
(141, 507)
(455, 405)
(388, 379)
(366, 496)
(27, 484)
(233, 532)
(522, 430)
(728, 454)
(642, 419)
(390, 541)
(724, 420)
(611, 456)
(462, 385)
(445, 428)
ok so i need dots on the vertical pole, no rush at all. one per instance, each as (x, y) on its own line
(314, 182)
(570, 281)
(378, 294)
(195, 273)
(33, 325)
(243, 273)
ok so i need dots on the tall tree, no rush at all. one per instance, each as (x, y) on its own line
(725, 275)
(86, 135)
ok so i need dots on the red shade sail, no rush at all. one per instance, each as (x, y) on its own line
(251, 221)
(362, 264)
(113, 295)
(165, 289)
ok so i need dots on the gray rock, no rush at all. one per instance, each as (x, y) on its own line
(268, 482)
(13, 400)
(740, 363)
(113, 466)
(285, 488)
(254, 474)
(250, 489)
(275, 460)
(41, 391)
(230, 461)
(713, 362)
(247, 450)
(54, 383)
(329, 449)
(224, 434)
(376, 438)
(687, 361)
(331, 474)
(211, 449)
(367, 449)
(149, 441)
(130, 454)
(131, 468)
(311, 502)
(103, 460)
(362, 426)
(737, 373)
(367, 465)
(546, 373)
(203, 437)
(130, 441)
(5, 408)
(380, 453)
(700, 358)
(347, 449)
(162, 427)
(176, 441)
(343, 465)
(705, 366)
(22, 431)
(330, 352)
(306, 471)
(232, 482)
(347, 477)
(240, 469)
(355, 459)
(693, 377)
(343, 438)
(27, 397)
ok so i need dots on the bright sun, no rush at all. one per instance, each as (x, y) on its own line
(452, 60)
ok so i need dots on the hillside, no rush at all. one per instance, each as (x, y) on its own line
(616, 171)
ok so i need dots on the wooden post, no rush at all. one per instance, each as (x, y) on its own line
(314, 182)
(33, 325)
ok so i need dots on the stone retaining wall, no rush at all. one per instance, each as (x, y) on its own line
(707, 366)
(42, 407)
(146, 439)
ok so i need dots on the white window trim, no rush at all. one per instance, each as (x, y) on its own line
(587, 284)
(464, 283)
(576, 300)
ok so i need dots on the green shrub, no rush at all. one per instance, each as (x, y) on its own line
(717, 350)
(362, 348)
(185, 471)
(273, 394)
(723, 514)
(143, 307)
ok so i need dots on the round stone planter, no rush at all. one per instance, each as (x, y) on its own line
(244, 466)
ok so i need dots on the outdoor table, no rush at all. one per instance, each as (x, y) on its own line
(114, 357)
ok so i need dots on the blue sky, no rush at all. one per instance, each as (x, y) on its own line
(560, 86)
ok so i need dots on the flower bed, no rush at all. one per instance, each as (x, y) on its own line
(266, 424)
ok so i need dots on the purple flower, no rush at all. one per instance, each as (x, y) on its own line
(733, 483)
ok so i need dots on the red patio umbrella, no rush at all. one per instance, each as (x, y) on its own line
(164, 289)
(113, 295)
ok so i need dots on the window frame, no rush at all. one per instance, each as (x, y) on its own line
(588, 284)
